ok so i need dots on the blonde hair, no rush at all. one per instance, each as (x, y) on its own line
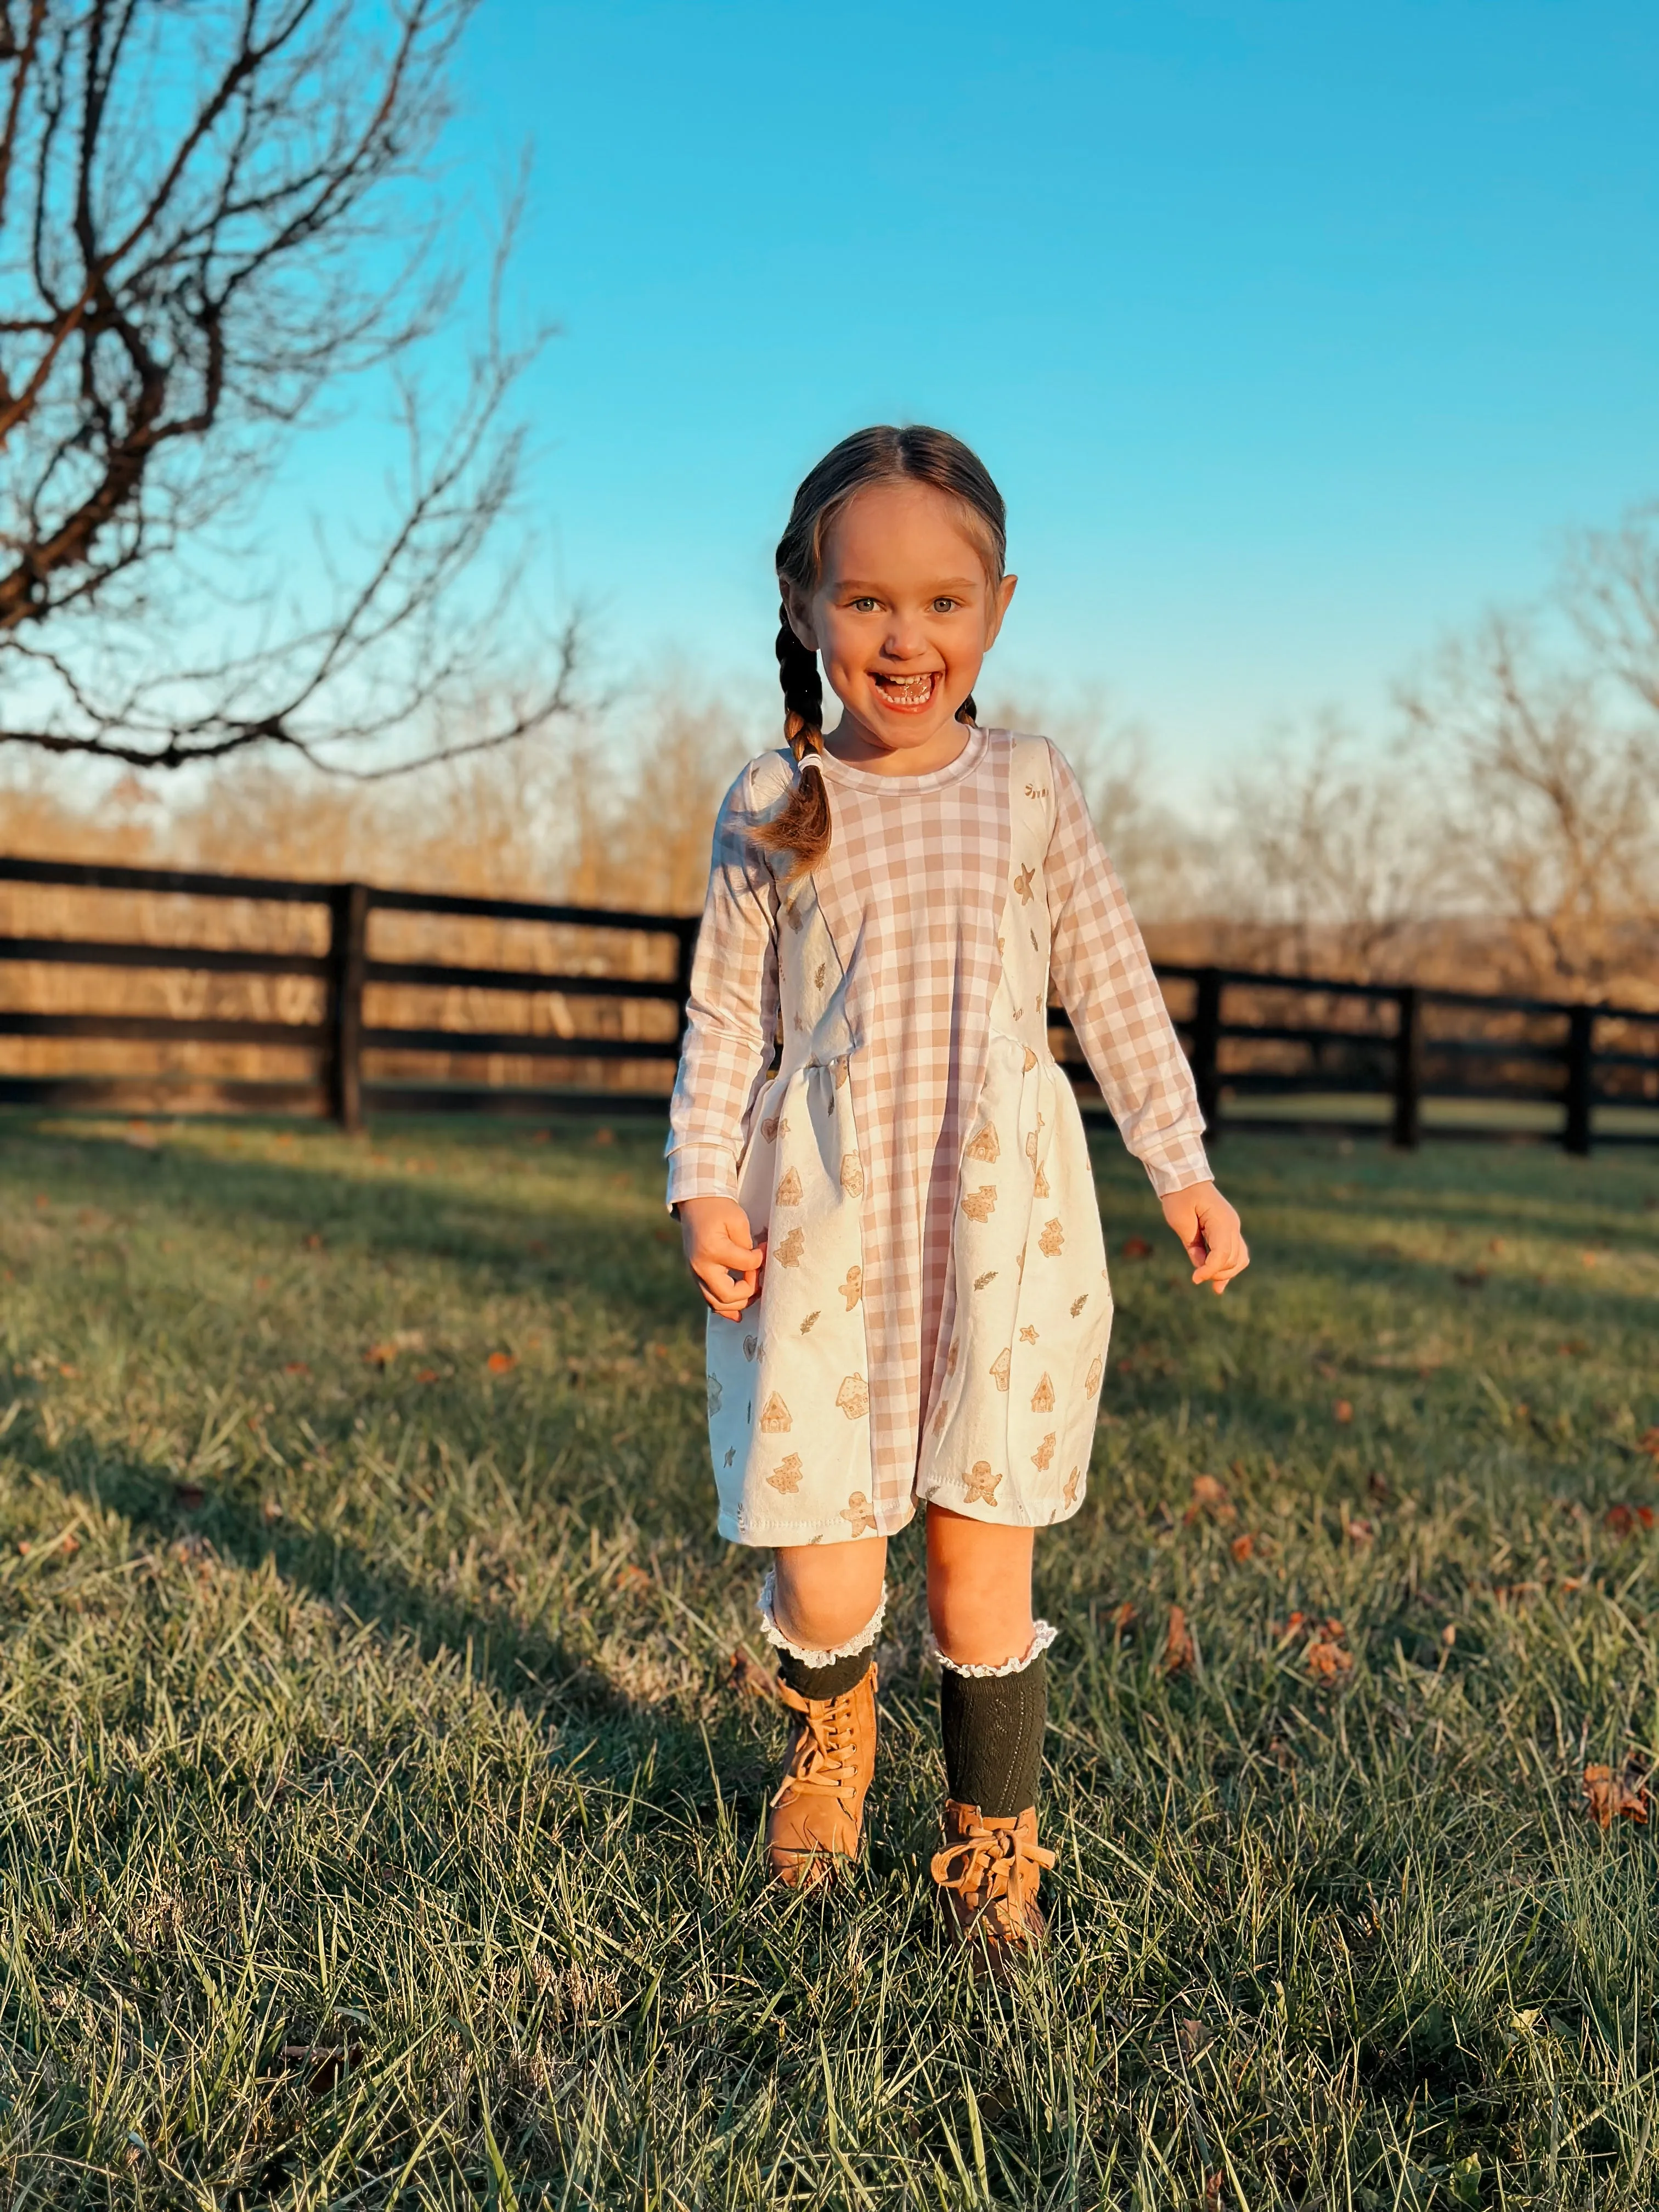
(879, 455)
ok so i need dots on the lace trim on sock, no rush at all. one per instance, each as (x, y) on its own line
(776, 1637)
(1041, 1636)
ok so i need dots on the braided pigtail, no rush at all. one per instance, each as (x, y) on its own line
(803, 827)
(968, 712)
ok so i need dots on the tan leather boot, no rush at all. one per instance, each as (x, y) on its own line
(817, 1814)
(987, 1875)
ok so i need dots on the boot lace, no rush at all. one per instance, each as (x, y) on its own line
(995, 1868)
(825, 1756)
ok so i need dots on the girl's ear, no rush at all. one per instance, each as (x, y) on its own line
(1000, 599)
(798, 610)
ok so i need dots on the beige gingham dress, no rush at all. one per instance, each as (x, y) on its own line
(935, 1308)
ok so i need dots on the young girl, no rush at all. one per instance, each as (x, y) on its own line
(881, 1174)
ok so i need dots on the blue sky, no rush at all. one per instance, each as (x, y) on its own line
(1295, 334)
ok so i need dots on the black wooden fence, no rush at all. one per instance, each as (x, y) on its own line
(1251, 1037)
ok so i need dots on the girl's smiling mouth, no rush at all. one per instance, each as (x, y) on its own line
(907, 694)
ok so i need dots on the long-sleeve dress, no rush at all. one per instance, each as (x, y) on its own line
(934, 1299)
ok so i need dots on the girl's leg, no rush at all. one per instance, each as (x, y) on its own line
(994, 1706)
(823, 1605)
(979, 1588)
(823, 1594)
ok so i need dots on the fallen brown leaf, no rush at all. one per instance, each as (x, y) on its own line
(1179, 1650)
(1327, 1660)
(748, 1678)
(1210, 1497)
(1343, 1410)
(632, 1578)
(1123, 1619)
(1608, 1796)
(1241, 1547)
(1625, 1520)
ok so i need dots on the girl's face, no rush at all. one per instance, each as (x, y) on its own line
(902, 619)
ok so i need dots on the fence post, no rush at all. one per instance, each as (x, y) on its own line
(1408, 1070)
(347, 957)
(1581, 1078)
(687, 933)
(1206, 1049)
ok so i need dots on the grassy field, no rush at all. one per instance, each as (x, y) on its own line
(378, 1816)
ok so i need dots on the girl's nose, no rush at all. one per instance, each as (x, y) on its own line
(906, 641)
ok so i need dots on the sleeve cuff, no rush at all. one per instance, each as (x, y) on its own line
(1177, 1166)
(701, 1171)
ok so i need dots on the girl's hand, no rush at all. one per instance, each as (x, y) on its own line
(1210, 1230)
(721, 1253)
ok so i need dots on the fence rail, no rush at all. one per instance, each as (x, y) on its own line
(1322, 1044)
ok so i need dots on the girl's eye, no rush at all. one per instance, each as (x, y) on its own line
(863, 606)
(942, 606)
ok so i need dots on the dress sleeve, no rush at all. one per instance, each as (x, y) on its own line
(732, 1012)
(1106, 984)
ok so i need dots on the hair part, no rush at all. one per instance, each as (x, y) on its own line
(882, 454)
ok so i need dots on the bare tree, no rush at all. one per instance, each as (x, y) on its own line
(1613, 594)
(1331, 857)
(1550, 796)
(212, 214)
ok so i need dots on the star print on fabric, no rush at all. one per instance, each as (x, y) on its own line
(731, 1454)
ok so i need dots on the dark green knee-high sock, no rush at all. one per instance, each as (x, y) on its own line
(992, 1728)
(832, 1681)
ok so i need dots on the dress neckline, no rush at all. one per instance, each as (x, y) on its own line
(934, 780)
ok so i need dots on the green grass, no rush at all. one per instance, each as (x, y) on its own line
(377, 1824)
